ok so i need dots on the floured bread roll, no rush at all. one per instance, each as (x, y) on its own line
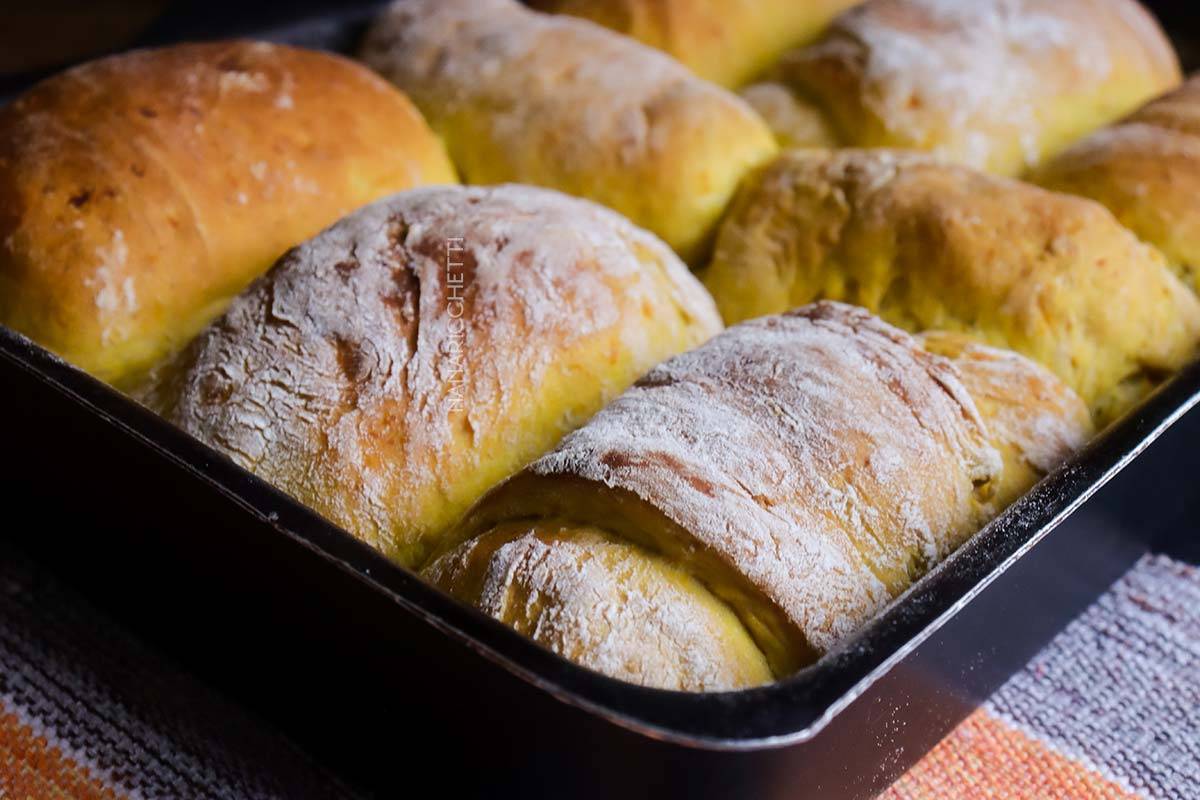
(389, 371)
(1146, 170)
(930, 245)
(993, 84)
(727, 42)
(605, 602)
(140, 193)
(556, 101)
(1034, 419)
(799, 470)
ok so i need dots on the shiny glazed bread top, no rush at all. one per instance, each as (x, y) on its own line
(141, 192)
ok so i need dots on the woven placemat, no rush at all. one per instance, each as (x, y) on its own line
(86, 711)
(1111, 709)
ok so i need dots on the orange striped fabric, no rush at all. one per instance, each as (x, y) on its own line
(34, 768)
(987, 759)
(1108, 711)
(89, 713)
(984, 759)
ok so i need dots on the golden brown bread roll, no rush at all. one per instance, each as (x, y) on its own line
(1146, 170)
(558, 102)
(604, 602)
(1033, 417)
(993, 84)
(139, 193)
(802, 470)
(931, 245)
(390, 370)
(728, 42)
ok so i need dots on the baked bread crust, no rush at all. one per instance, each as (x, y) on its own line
(1034, 420)
(993, 84)
(605, 603)
(802, 470)
(559, 102)
(140, 193)
(1146, 170)
(929, 245)
(804, 467)
(728, 42)
(389, 371)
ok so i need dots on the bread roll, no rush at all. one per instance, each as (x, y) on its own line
(993, 84)
(558, 102)
(141, 192)
(604, 602)
(1035, 419)
(802, 470)
(931, 245)
(728, 42)
(389, 371)
(1146, 170)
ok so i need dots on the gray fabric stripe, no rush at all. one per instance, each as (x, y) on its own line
(148, 729)
(1120, 687)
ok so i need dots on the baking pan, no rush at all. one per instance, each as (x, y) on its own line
(386, 680)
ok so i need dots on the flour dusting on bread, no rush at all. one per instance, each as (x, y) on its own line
(387, 381)
(822, 453)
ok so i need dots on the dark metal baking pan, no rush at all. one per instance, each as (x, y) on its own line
(384, 678)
